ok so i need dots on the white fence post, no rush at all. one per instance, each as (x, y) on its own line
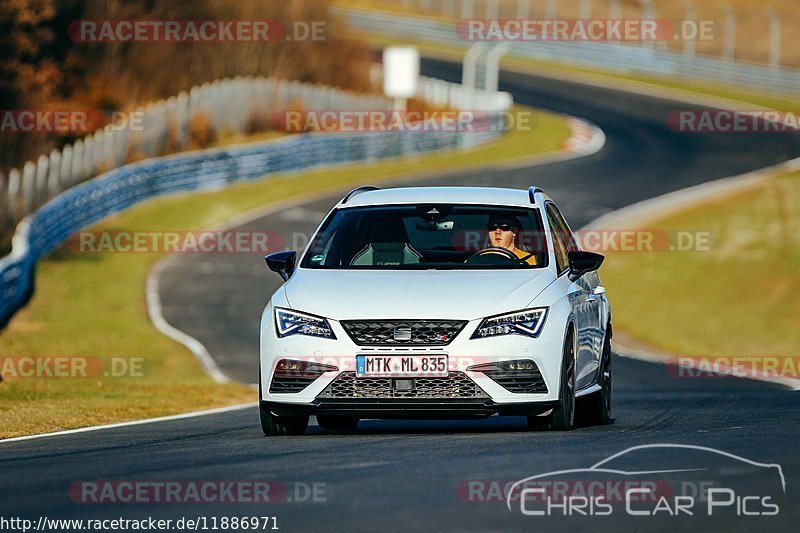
(88, 156)
(52, 177)
(28, 187)
(40, 192)
(66, 168)
(13, 195)
(5, 204)
(77, 163)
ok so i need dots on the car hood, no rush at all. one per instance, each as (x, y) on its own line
(443, 294)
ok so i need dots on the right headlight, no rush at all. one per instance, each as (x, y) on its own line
(295, 323)
(528, 322)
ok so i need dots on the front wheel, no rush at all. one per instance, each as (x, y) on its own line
(563, 417)
(278, 426)
(595, 410)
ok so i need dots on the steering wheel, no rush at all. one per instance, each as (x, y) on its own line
(493, 255)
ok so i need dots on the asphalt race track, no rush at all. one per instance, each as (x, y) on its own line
(418, 475)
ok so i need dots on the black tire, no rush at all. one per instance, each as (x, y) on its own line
(595, 409)
(563, 417)
(276, 426)
(539, 423)
(334, 422)
(279, 426)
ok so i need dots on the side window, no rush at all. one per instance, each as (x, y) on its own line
(559, 245)
(569, 238)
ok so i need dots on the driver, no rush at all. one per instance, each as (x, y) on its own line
(503, 230)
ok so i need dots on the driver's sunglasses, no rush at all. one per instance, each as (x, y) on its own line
(502, 227)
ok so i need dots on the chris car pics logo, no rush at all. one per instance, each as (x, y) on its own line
(655, 480)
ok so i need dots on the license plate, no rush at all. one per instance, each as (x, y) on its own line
(401, 366)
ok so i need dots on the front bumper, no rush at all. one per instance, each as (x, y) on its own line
(401, 408)
(463, 353)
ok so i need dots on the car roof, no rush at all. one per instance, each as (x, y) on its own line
(433, 195)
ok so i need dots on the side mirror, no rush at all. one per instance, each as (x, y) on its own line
(582, 262)
(282, 263)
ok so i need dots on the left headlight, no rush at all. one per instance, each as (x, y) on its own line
(293, 323)
(528, 322)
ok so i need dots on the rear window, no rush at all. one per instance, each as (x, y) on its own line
(434, 236)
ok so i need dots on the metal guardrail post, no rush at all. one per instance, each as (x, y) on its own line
(690, 45)
(585, 9)
(467, 9)
(551, 10)
(523, 9)
(614, 10)
(493, 66)
(774, 38)
(469, 72)
(492, 9)
(649, 13)
(729, 39)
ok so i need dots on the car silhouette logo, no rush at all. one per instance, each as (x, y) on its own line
(402, 333)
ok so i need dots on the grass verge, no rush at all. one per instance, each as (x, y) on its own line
(738, 299)
(90, 305)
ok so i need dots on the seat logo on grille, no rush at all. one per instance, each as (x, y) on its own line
(402, 333)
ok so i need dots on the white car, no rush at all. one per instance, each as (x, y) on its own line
(437, 302)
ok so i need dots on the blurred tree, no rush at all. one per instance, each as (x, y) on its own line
(43, 68)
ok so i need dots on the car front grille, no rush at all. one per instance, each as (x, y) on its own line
(403, 332)
(456, 385)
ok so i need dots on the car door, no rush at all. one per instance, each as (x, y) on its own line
(582, 299)
(596, 298)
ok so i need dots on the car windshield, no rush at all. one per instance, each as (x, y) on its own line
(433, 236)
